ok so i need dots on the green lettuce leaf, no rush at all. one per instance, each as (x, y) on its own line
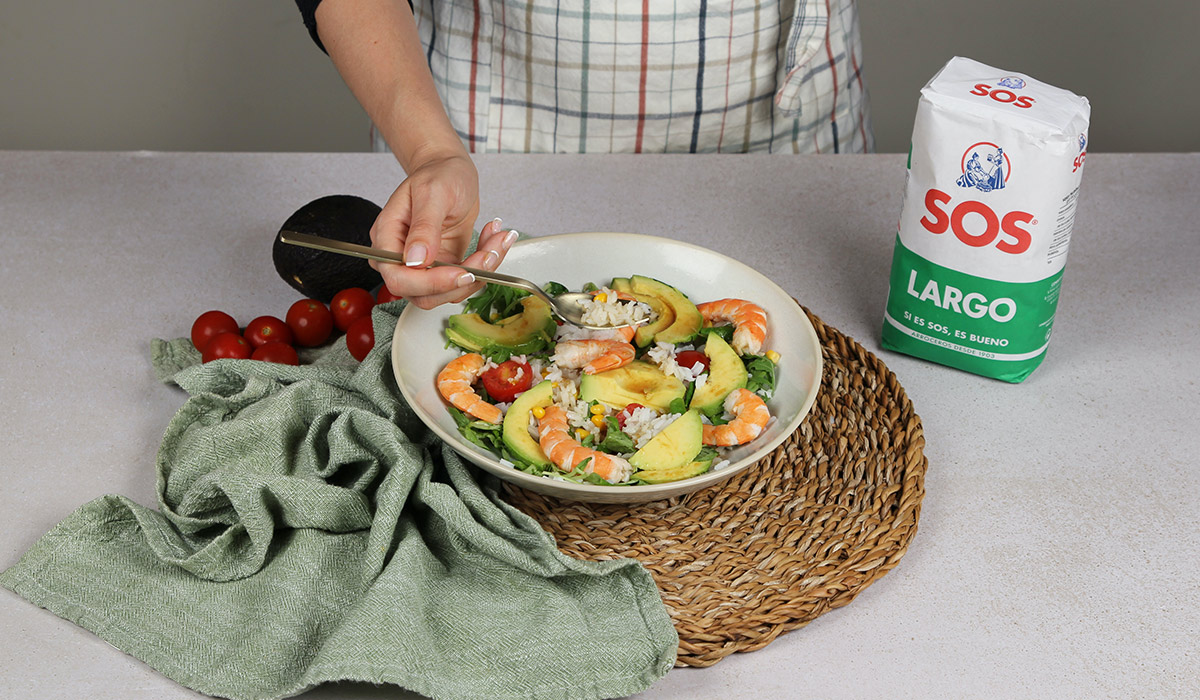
(495, 301)
(762, 375)
(616, 441)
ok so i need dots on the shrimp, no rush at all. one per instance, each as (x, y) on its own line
(750, 416)
(626, 332)
(593, 355)
(566, 453)
(454, 384)
(749, 322)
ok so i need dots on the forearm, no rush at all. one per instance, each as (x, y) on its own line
(376, 49)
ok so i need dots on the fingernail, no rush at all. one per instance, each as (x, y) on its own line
(510, 238)
(497, 224)
(492, 260)
(416, 255)
(465, 279)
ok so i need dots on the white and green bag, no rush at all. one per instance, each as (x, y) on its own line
(989, 203)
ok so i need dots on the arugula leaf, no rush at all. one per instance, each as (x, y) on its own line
(519, 463)
(678, 405)
(489, 436)
(534, 469)
(497, 353)
(554, 288)
(725, 331)
(717, 418)
(616, 440)
(495, 301)
(762, 375)
(687, 395)
(596, 479)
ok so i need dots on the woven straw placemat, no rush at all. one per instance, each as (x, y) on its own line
(801, 532)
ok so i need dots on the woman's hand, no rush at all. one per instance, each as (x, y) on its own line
(431, 217)
(376, 48)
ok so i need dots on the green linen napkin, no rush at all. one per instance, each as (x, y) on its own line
(310, 528)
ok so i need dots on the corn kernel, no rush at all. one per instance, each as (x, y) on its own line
(598, 421)
(601, 297)
(539, 412)
(596, 409)
(581, 433)
(773, 356)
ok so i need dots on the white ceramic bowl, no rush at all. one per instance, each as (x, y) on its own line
(418, 351)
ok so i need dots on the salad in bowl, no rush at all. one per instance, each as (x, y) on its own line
(664, 395)
(425, 342)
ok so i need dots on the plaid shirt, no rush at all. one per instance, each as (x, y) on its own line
(627, 76)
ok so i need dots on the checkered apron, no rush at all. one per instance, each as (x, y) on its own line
(635, 76)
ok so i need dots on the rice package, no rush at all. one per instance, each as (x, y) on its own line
(989, 203)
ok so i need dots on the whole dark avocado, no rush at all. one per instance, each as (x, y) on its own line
(315, 273)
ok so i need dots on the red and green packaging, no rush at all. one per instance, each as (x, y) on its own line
(993, 180)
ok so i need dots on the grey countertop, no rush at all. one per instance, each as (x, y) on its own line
(1058, 554)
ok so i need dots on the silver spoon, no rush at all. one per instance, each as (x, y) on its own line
(568, 306)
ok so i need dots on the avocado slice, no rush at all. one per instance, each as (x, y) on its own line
(662, 476)
(666, 315)
(515, 431)
(674, 447)
(637, 382)
(726, 372)
(528, 331)
(687, 321)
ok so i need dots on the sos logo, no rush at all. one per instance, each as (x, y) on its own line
(985, 168)
(976, 224)
(1003, 94)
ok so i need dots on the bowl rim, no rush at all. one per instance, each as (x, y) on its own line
(491, 462)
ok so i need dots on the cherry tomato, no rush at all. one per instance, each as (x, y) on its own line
(689, 358)
(226, 345)
(360, 337)
(311, 322)
(210, 324)
(506, 380)
(626, 412)
(349, 305)
(267, 329)
(384, 295)
(281, 353)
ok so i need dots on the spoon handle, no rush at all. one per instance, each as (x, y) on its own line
(331, 245)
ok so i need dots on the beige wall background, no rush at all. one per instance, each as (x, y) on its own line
(243, 75)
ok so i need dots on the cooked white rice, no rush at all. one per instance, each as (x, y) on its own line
(613, 311)
(663, 355)
(644, 423)
(568, 332)
(578, 411)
